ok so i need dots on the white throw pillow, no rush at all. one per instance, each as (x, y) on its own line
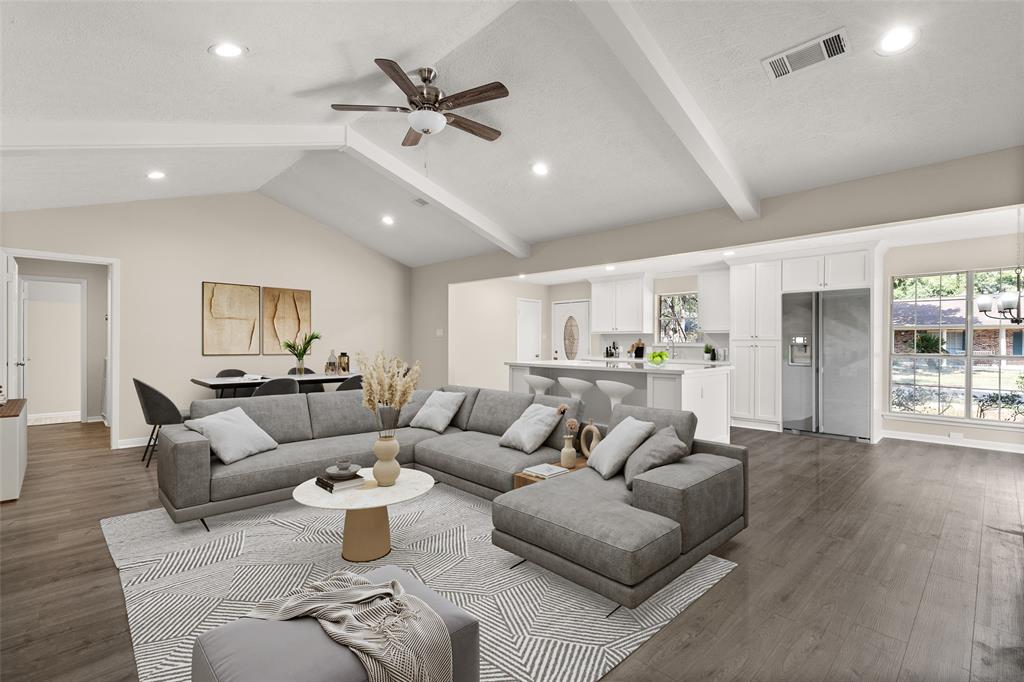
(613, 450)
(438, 411)
(233, 435)
(532, 428)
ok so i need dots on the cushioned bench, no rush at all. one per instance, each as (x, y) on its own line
(250, 649)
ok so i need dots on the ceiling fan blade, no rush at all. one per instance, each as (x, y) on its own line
(412, 138)
(473, 127)
(393, 71)
(369, 107)
(482, 93)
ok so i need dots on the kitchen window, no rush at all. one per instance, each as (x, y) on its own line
(948, 358)
(677, 318)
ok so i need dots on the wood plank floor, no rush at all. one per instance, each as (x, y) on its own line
(901, 561)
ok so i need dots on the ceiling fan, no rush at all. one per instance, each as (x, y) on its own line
(430, 110)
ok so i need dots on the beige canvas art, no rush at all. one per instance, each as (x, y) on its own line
(231, 319)
(287, 316)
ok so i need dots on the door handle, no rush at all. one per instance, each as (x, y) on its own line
(20, 364)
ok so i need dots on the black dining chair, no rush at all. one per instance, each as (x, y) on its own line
(353, 383)
(305, 387)
(159, 411)
(282, 386)
(235, 392)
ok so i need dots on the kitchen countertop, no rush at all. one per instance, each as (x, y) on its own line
(602, 366)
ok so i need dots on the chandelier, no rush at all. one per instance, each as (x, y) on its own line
(1007, 305)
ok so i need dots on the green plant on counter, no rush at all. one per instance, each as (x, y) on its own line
(708, 348)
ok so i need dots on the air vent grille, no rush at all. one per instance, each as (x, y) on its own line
(821, 49)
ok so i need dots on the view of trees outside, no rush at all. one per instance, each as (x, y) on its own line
(932, 355)
(677, 318)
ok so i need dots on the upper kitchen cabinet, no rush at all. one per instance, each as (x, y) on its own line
(713, 300)
(847, 270)
(622, 305)
(755, 292)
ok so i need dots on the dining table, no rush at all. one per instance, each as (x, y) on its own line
(222, 383)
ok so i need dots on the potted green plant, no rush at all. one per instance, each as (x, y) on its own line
(300, 350)
(708, 349)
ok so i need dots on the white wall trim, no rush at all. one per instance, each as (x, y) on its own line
(130, 443)
(114, 338)
(54, 418)
(946, 440)
(93, 420)
(759, 426)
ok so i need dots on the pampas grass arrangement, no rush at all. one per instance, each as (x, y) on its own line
(388, 383)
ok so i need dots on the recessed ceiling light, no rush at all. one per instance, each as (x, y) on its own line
(609, 268)
(540, 168)
(229, 50)
(897, 40)
(387, 220)
(156, 175)
(522, 276)
(728, 253)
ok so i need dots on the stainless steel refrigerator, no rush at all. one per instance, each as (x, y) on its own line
(826, 368)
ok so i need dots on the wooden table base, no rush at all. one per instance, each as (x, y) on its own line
(367, 534)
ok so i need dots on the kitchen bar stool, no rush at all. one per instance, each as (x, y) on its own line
(575, 387)
(540, 385)
(615, 390)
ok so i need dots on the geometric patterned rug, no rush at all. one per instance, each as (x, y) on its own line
(180, 581)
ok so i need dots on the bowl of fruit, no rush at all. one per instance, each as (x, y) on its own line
(657, 358)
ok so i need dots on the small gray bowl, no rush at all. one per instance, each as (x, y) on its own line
(337, 474)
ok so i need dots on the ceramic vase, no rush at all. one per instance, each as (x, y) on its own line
(386, 470)
(300, 366)
(568, 453)
(590, 436)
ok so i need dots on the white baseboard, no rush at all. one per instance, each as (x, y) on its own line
(961, 442)
(54, 418)
(760, 426)
(131, 442)
(93, 420)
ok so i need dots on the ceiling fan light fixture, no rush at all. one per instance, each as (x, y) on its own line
(427, 122)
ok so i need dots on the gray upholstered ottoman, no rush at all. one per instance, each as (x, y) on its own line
(253, 650)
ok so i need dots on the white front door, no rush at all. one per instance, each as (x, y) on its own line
(570, 330)
(528, 329)
(13, 338)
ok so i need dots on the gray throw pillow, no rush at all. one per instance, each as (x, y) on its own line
(531, 429)
(438, 411)
(611, 453)
(664, 447)
(232, 434)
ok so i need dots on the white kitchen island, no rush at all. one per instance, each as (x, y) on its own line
(695, 387)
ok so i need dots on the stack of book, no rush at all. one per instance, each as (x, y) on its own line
(336, 486)
(545, 470)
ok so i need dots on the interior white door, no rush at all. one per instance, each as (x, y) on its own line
(570, 329)
(13, 338)
(528, 329)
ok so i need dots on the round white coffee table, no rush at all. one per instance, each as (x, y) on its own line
(367, 534)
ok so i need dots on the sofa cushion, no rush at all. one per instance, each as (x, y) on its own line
(494, 411)
(461, 419)
(339, 413)
(703, 492)
(412, 408)
(293, 463)
(589, 521)
(477, 457)
(531, 429)
(232, 434)
(284, 417)
(438, 411)
(664, 447)
(685, 423)
(610, 454)
(574, 409)
(299, 649)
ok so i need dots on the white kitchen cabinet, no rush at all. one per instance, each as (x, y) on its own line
(623, 305)
(704, 393)
(847, 270)
(713, 300)
(755, 383)
(755, 291)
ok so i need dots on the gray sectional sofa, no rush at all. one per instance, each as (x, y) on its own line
(624, 544)
(316, 429)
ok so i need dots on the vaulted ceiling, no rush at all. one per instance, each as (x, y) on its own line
(96, 94)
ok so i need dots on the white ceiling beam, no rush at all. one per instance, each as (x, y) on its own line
(621, 27)
(383, 161)
(60, 136)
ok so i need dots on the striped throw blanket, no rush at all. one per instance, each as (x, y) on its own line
(397, 636)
